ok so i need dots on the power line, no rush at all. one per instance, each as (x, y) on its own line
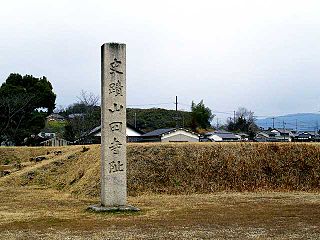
(276, 121)
(148, 104)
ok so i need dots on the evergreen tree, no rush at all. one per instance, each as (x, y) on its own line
(25, 101)
(201, 116)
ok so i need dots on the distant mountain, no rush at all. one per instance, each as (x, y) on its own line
(301, 121)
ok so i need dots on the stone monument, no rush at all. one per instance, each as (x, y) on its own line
(113, 129)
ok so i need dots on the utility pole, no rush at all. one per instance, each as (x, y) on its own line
(176, 103)
(234, 116)
(230, 123)
(273, 123)
(284, 138)
(182, 121)
(177, 117)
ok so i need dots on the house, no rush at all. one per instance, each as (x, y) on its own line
(244, 137)
(262, 137)
(283, 135)
(94, 136)
(267, 136)
(221, 136)
(306, 136)
(274, 135)
(47, 135)
(133, 134)
(55, 142)
(170, 135)
(76, 115)
(7, 143)
(55, 117)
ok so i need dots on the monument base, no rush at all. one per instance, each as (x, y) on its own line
(123, 208)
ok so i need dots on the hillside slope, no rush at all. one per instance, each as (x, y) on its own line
(154, 118)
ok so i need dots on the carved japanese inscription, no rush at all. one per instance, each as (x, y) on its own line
(114, 66)
(116, 88)
(115, 146)
(115, 167)
(115, 126)
(113, 135)
(116, 107)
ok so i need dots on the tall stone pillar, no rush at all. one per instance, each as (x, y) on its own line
(113, 129)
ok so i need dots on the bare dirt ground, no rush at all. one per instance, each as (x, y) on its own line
(42, 213)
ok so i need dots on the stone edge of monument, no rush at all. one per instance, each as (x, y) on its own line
(124, 208)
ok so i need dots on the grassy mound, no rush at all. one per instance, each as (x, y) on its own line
(185, 168)
(10, 155)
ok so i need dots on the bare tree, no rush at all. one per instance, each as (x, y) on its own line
(83, 115)
(244, 122)
(244, 113)
(88, 98)
(59, 109)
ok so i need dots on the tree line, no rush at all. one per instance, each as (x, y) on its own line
(26, 101)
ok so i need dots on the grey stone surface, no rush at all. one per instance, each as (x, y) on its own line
(126, 208)
(113, 125)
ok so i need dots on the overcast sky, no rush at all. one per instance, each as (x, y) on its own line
(263, 55)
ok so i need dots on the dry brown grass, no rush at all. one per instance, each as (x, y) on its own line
(184, 168)
(204, 168)
(11, 155)
(41, 213)
(32, 207)
(21, 159)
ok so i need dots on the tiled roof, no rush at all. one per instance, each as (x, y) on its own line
(224, 134)
(158, 132)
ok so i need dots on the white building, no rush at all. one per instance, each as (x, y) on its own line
(170, 135)
(55, 142)
(133, 135)
(47, 134)
(222, 136)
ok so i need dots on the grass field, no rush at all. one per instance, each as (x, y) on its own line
(184, 168)
(185, 191)
(41, 213)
